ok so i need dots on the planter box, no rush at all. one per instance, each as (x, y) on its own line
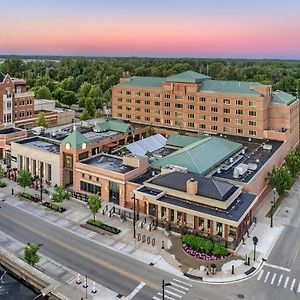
(98, 229)
(48, 205)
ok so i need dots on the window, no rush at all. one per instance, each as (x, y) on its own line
(119, 107)
(252, 132)
(239, 121)
(239, 102)
(202, 117)
(252, 123)
(119, 99)
(178, 123)
(8, 105)
(157, 120)
(191, 116)
(191, 125)
(147, 94)
(214, 100)
(157, 103)
(19, 90)
(147, 119)
(156, 95)
(83, 155)
(178, 114)
(252, 103)
(138, 93)
(128, 100)
(147, 102)
(178, 105)
(239, 112)
(201, 107)
(191, 98)
(202, 99)
(128, 108)
(137, 109)
(49, 172)
(119, 115)
(191, 106)
(214, 109)
(157, 111)
(167, 113)
(214, 127)
(226, 101)
(252, 113)
(137, 117)
(128, 116)
(214, 118)
(226, 129)
(89, 187)
(119, 92)
(178, 97)
(226, 120)
(167, 121)
(128, 93)
(226, 110)
(147, 110)
(239, 130)
(167, 104)
(138, 101)
(167, 96)
(202, 126)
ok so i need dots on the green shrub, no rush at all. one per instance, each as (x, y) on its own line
(26, 195)
(2, 184)
(54, 207)
(103, 226)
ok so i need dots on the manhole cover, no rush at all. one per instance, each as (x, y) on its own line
(241, 296)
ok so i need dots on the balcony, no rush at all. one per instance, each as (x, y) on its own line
(23, 95)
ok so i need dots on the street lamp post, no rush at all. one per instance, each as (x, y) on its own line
(163, 288)
(41, 184)
(272, 206)
(134, 221)
(255, 241)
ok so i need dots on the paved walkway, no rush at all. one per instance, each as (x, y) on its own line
(150, 251)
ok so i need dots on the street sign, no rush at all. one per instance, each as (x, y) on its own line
(255, 240)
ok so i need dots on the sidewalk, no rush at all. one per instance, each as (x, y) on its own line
(77, 213)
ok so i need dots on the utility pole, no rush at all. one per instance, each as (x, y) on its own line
(134, 220)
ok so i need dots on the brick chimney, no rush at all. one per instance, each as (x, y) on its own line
(192, 186)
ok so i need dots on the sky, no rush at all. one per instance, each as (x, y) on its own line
(153, 28)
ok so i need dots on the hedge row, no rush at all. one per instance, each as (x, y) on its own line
(103, 226)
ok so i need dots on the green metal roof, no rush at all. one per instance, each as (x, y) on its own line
(114, 125)
(182, 141)
(280, 97)
(76, 139)
(141, 81)
(230, 87)
(202, 156)
(187, 77)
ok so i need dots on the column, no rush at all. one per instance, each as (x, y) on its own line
(205, 229)
(196, 223)
(183, 220)
(169, 215)
(212, 224)
(226, 231)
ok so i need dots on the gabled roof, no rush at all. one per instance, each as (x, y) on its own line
(181, 141)
(200, 157)
(187, 77)
(76, 139)
(280, 97)
(230, 87)
(113, 125)
(207, 187)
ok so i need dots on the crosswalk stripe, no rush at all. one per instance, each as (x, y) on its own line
(273, 278)
(286, 281)
(173, 294)
(267, 276)
(260, 274)
(182, 282)
(172, 288)
(166, 296)
(182, 287)
(298, 288)
(280, 278)
(155, 298)
(293, 283)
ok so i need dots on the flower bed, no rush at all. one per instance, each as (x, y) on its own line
(54, 207)
(202, 248)
(104, 226)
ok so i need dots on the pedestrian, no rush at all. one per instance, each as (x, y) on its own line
(12, 192)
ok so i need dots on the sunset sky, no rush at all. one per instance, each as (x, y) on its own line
(159, 28)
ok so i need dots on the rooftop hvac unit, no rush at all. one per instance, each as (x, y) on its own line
(267, 147)
(235, 173)
(252, 166)
(243, 151)
(231, 159)
(241, 168)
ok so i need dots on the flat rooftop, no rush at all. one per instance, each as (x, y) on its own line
(9, 130)
(109, 163)
(254, 153)
(91, 135)
(38, 143)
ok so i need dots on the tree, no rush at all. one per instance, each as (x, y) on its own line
(281, 179)
(84, 116)
(95, 203)
(292, 162)
(43, 93)
(90, 106)
(2, 174)
(69, 98)
(24, 179)
(31, 253)
(41, 120)
(150, 130)
(59, 195)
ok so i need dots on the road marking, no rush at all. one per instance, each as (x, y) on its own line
(277, 267)
(293, 283)
(182, 287)
(267, 276)
(166, 296)
(81, 253)
(182, 282)
(155, 298)
(273, 278)
(135, 291)
(171, 293)
(170, 287)
(298, 288)
(280, 278)
(260, 274)
(286, 281)
(297, 252)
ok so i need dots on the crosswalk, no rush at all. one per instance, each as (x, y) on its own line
(279, 279)
(175, 291)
